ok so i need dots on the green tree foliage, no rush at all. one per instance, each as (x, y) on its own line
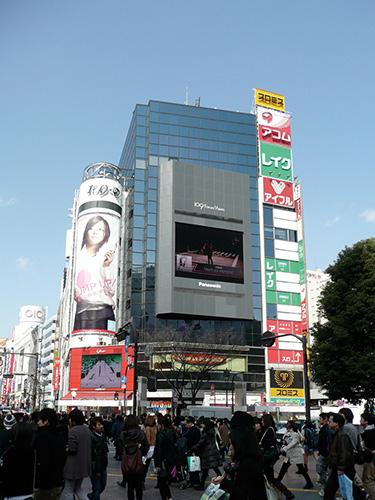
(343, 353)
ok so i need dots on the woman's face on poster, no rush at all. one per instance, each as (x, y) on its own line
(96, 234)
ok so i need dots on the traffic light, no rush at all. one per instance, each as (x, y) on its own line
(267, 339)
(152, 384)
(116, 396)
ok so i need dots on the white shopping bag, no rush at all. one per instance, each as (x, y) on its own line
(194, 464)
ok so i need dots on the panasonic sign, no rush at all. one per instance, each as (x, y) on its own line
(200, 205)
(209, 285)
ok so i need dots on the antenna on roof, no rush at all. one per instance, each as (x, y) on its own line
(198, 102)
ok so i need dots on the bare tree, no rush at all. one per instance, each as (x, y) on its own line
(185, 360)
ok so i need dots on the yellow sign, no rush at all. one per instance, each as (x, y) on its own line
(269, 100)
(287, 393)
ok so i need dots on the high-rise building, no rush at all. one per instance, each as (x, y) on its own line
(197, 181)
(316, 281)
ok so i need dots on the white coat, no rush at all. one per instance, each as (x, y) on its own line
(292, 448)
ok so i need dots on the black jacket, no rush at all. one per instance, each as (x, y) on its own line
(99, 457)
(323, 444)
(193, 436)
(248, 483)
(341, 456)
(17, 471)
(165, 452)
(368, 437)
(206, 448)
(50, 452)
(132, 438)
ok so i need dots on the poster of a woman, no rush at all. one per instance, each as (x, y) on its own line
(95, 283)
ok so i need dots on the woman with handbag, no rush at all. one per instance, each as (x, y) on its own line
(164, 456)
(135, 447)
(271, 453)
(207, 450)
(245, 480)
(294, 454)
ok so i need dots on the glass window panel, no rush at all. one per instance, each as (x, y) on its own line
(137, 246)
(232, 137)
(152, 183)
(140, 152)
(173, 119)
(139, 186)
(151, 231)
(153, 160)
(232, 148)
(254, 205)
(164, 139)
(173, 151)
(232, 158)
(139, 198)
(151, 244)
(256, 277)
(138, 221)
(138, 233)
(184, 142)
(257, 289)
(257, 302)
(154, 106)
(194, 143)
(184, 120)
(256, 263)
(193, 122)
(173, 140)
(223, 146)
(174, 109)
(254, 240)
(141, 109)
(203, 133)
(203, 122)
(163, 118)
(213, 155)
(151, 257)
(253, 183)
(194, 132)
(269, 248)
(154, 149)
(213, 145)
(203, 144)
(271, 311)
(268, 232)
(255, 252)
(194, 154)
(213, 135)
(268, 216)
(184, 131)
(254, 228)
(163, 129)
(232, 127)
(154, 138)
(152, 172)
(223, 136)
(163, 150)
(151, 219)
(223, 157)
(292, 235)
(138, 209)
(242, 169)
(253, 193)
(254, 216)
(140, 164)
(141, 131)
(281, 234)
(137, 259)
(242, 160)
(184, 153)
(203, 155)
(152, 206)
(152, 194)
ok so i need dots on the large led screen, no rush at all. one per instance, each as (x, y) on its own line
(208, 253)
(101, 371)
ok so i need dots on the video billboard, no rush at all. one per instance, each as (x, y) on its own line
(98, 368)
(208, 253)
(96, 254)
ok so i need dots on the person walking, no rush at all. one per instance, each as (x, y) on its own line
(163, 455)
(294, 454)
(99, 459)
(51, 455)
(311, 442)
(17, 471)
(245, 481)
(151, 431)
(133, 439)
(368, 438)
(116, 431)
(193, 436)
(270, 455)
(207, 450)
(78, 461)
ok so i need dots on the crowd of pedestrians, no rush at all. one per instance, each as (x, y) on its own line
(47, 455)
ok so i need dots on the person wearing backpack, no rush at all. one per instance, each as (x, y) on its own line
(311, 441)
(135, 447)
(165, 455)
(270, 450)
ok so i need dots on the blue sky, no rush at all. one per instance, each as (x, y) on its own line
(72, 72)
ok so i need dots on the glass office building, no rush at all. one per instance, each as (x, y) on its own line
(211, 138)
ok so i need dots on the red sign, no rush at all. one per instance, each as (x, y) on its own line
(298, 209)
(283, 327)
(287, 357)
(274, 127)
(304, 315)
(278, 192)
(56, 375)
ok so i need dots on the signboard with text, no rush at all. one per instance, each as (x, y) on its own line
(269, 99)
(286, 384)
(278, 192)
(285, 356)
(275, 161)
(274, 127)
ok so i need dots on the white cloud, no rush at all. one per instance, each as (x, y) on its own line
(333, 221)
(22, 262)
(369, 215)
(7, 203)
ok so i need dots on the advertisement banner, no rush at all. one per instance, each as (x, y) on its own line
(269, 100)
(96, 253)
(288, 401)
(278, 192)
(286, 384)
(285, 356)
(56, 375)
(274, 127)
(275, 162)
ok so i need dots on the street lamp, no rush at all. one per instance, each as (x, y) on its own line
(268, 339)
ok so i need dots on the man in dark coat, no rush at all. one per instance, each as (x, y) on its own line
(99, 459)
(50, 453)
(193, 436)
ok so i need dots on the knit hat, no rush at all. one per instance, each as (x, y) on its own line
(9, 421)
(241, 419)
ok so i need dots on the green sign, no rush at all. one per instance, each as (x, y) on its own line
(282, 266)
(301, 259)
(276, 162)
(284, 298)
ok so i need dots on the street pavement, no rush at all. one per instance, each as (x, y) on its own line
(292, 480)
